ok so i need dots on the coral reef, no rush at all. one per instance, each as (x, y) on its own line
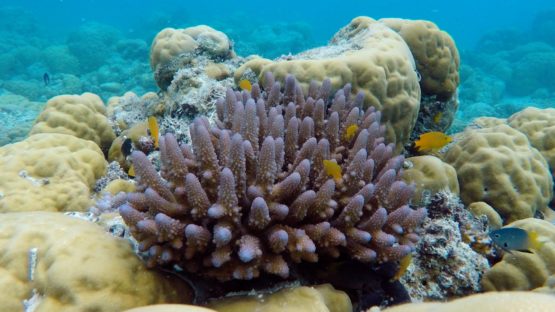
(256, 193)
(93, 43)
(525, 271)
(61, 263)
(17, 114)
(368, 54)
(498, 166)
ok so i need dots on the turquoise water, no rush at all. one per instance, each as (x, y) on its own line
(507, 47)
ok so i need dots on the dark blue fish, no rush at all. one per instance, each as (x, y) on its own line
(126, 147)
(46, 79)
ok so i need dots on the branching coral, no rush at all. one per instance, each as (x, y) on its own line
(280, 179)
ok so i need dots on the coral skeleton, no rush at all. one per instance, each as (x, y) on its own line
(280, 178)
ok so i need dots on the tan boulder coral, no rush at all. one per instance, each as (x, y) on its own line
(509, 301)
(60, 263)
(437, 58)
(483, 209)
(437, 62)
(170, 308)
(83, 116)
(322, 298)
(525, 271)
(539, 126)
(173, 49)
(498, 166)
(49, 172)
(171, 42)
(370, 56)
(430, 175)
(487, 122)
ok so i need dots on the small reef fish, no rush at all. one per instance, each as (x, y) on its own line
(245, 84)
(350, 132)
(154, 131)
(131, 171)
(332, 169)
(46, 79)
(432, 141)
(511, 238)
(126, 147)
(437, 117)
(403, 266)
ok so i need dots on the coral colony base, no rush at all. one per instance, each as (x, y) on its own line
(248, 184)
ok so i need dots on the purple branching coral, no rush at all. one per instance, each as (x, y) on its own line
(280, 179)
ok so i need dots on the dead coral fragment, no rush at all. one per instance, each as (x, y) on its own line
(251, 194)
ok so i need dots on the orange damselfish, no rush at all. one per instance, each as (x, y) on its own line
(432, 141)
(153, 128)
(350, 132)
(332, 169)
(245, 85)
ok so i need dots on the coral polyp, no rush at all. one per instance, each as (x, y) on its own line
(277, 180)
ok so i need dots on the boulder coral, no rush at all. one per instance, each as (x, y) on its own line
(49, 172)
(437, 58)
(280, 179)
(539, 126)
(173, 48)
(83, 116)
(497, 165)
(430, 175)
(509, 301)
(54, 262)
(369, 55)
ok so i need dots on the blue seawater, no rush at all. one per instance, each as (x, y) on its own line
(507, 47)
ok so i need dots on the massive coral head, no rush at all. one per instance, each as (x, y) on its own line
(281, 178)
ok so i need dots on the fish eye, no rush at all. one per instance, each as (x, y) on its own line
(497, 235)
(505, 245)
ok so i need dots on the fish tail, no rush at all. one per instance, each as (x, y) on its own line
(533, 240)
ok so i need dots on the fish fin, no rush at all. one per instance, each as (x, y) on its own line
(131, 171)
(524, 250)
(507, 250)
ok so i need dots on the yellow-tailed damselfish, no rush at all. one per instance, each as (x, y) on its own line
(512, 238)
